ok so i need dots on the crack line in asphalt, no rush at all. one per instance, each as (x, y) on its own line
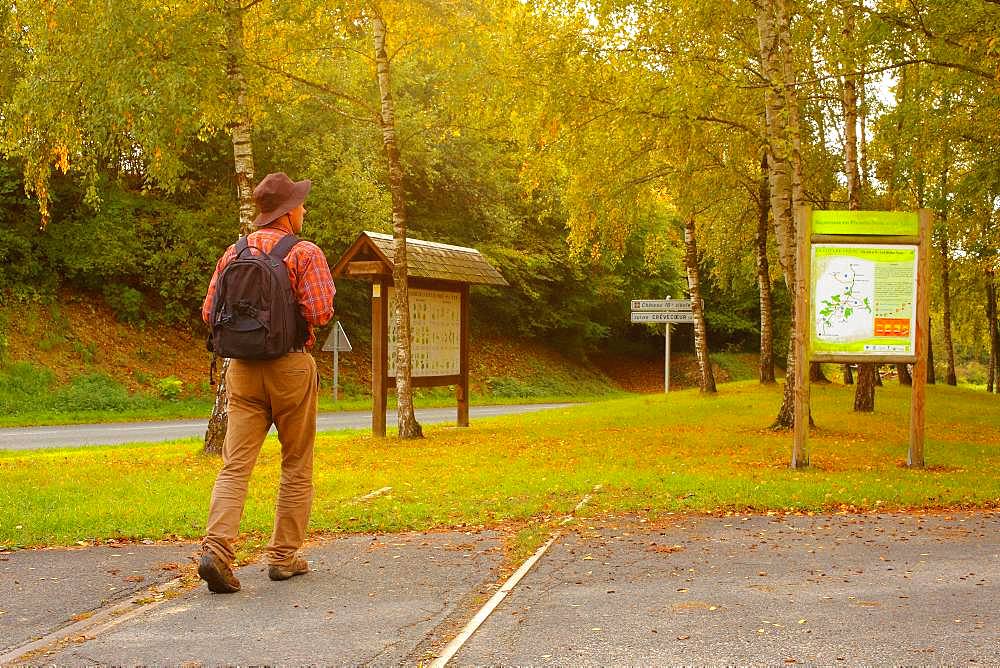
(452, 648)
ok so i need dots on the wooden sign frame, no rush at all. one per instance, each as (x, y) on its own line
(801, 334)
(430, 266)
(381, 380)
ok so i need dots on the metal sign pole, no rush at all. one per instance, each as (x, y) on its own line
(666, 358)
(336, 342)
(336, 375)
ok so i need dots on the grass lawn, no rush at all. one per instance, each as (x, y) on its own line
(652, 454)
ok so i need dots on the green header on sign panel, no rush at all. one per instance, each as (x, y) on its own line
(902, 223)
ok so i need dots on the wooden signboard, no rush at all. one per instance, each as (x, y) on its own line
(861, 295)
(439, 278)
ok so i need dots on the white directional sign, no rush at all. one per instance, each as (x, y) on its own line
(661, 305)
(662, 316)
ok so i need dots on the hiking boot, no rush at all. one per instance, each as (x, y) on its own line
(297, 567)
(217, 574)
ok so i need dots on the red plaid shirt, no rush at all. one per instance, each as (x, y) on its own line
(308, 273)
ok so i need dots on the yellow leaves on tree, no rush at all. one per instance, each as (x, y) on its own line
(60, 155)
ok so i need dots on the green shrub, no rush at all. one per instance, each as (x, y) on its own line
(127, 303)
(87, 352)
(170, 388)
(91, 392)
(22, 385)
(513, 387)
(4, 342)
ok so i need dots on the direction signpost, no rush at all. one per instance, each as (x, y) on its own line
(667, 311)
(336, 343)
(662, 316)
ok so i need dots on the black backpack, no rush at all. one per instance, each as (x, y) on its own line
(254, 312)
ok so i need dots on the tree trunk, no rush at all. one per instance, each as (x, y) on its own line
(766, 363)
(850, 103)
(816, 374)
(864, 402)
(905, 377)
(992, 379)
(931, 378)
(408, 425)
(848, 375)
(784, 160)
(949, 348)
(694, 288)
(864, 182)
(892, 187)
(864, 394)
(240, 131)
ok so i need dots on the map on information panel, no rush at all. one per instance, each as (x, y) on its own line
(436, 331)
(862, 299)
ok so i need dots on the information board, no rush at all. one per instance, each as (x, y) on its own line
(863, 300)
(436, 330)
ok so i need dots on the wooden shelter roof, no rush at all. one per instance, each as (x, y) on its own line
(371, 256)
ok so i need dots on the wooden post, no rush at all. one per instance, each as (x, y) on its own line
(462, 389)
(915, 458)
(800, 338)
(380, 357)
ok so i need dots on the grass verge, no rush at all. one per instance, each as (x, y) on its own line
(652, 454)
(29, 396)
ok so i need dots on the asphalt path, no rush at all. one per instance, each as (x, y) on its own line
(828, 590)
(71, 436)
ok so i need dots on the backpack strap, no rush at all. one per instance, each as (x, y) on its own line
(282, 248)
(242, 244)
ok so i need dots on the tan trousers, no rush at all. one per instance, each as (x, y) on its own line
(283, 391)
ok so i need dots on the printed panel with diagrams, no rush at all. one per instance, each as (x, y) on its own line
(863, 299)
(436, 328)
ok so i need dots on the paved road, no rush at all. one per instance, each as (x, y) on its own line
(889, 589)
(31, 438)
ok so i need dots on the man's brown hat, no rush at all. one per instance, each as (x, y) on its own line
(276, 195)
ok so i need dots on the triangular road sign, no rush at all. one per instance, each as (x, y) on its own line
(337, 341)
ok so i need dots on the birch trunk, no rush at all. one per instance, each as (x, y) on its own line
(905, 377)
(694, 288)
(240, 131)
(408, 425)
(766, 362)
(784, 160)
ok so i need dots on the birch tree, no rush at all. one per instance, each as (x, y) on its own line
(784, 159)
(408, 425)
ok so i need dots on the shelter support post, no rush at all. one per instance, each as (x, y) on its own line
(800, 339)
(462, 389)
(915, 457)
(380, 357)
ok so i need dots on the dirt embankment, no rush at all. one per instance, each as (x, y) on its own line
(78, 335)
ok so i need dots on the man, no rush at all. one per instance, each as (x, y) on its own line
(283, 391)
